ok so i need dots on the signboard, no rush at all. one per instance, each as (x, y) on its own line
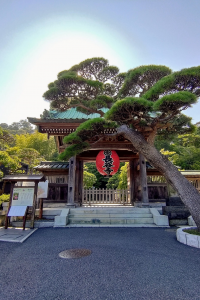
(28, 183)
(42, 189)
(107, 162)
(17, 211)
(22, 196)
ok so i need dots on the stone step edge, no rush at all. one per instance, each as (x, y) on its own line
(113, 222)
(111, 216)
(116, 225)
(36, 224)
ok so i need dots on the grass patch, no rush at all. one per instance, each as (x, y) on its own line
(192, 231)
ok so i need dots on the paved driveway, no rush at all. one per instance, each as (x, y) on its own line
(126, 263)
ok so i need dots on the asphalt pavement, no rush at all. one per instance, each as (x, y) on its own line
(125, 263)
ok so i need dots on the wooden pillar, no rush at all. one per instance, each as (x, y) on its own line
(129, 184)
(143, 180)
(135, 180)
(9, 205)
(71, 181)
(40, 208)
(78, 182)
(34, 205)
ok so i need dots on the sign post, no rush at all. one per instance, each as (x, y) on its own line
(21, 198)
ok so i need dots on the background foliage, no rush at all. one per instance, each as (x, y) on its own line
(20, 143)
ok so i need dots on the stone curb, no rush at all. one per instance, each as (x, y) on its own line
(187, 238)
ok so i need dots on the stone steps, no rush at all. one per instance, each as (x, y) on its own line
(109, 210)
(99, 217)
(111, 216)
(76, 220)
(49, 213)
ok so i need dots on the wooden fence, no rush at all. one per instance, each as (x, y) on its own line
(195, 183)
(105, 196)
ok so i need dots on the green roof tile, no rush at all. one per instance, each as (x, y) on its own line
(73, 114)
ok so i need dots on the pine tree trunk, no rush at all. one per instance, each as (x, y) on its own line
(188, 193)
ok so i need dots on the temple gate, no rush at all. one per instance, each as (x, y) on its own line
(66, 185)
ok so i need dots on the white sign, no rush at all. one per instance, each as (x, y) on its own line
(28, 183)
(22, 196)
(42, 189)
(17, 211)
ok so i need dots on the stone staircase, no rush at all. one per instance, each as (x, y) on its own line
(99, 217)
(110, 216)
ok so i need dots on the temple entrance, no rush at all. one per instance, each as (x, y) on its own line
(66, 183)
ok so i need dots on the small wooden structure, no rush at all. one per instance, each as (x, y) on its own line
(57, 175)
(14, 179)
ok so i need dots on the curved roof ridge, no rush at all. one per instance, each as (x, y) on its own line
(72, 113)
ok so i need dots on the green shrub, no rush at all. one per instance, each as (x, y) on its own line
(4, 198)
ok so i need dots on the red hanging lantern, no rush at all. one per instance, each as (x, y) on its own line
(107, 162)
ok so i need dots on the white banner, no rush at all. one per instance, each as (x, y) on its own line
(42, 189)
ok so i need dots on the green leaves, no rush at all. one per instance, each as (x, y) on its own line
(71, 90)
(129, 108)
(53, 94)
(11, 162)
(38, 141)
(174, 102)
(73, 150)
(102, 101)
(89, 179)
(107, 73)
(184, 80)
(184, 151)
(79, 140)
(89, 129)
(90, 68)
(150, 99)
(141, 79)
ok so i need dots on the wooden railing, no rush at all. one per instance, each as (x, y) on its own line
(195, 183)
(105, 196)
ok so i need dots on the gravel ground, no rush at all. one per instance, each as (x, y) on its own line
(126, 263)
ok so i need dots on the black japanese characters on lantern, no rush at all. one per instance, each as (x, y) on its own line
(107, 162)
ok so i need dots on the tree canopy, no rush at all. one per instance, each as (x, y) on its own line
(148, 99)
(29, 148)
(21, 127)
(144, 102)
(183, 150)
(89, 179)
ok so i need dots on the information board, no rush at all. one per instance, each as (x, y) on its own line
(42, 189)
(17, 211)
(22, 196)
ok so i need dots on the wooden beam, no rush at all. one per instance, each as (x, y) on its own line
(90, 155)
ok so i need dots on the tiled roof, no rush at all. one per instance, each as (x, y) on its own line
(73, 114)
(52, 165)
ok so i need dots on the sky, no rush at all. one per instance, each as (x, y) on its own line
(40, 38)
